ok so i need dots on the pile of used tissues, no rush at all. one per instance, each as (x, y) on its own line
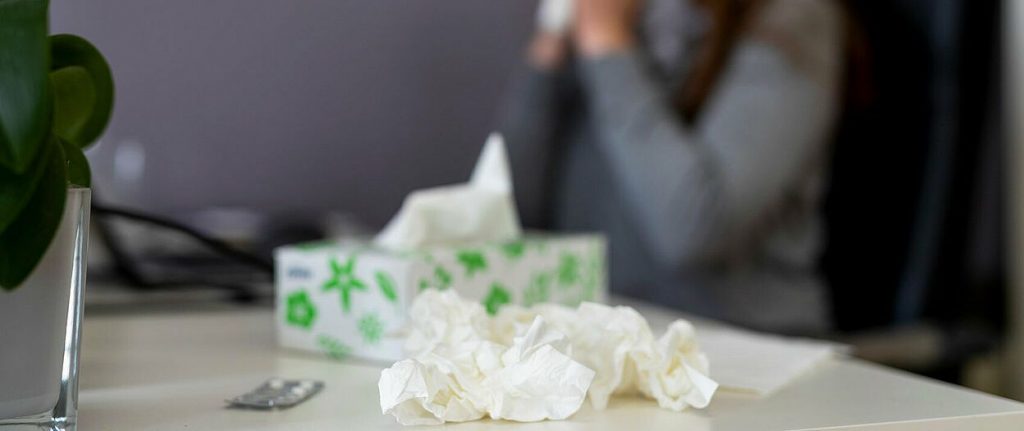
(537, 363)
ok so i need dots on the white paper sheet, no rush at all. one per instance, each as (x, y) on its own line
(745, 361)
(760, 364)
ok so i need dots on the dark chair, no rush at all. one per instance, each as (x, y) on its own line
(912, 232)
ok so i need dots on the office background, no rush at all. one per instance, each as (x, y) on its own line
(301, 108)
(297, 106)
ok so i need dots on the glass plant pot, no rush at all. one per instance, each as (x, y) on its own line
(40, 331)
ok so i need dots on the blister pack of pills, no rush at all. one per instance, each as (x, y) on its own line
(277, 394)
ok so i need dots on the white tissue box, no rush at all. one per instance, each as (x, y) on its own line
(352, 299)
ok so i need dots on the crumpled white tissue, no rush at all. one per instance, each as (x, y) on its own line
(537, 363)
(617, 343)
(460, 375)
(482, 210)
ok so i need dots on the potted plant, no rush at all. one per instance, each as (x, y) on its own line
(56, 95)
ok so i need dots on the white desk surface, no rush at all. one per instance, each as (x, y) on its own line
(166, 371)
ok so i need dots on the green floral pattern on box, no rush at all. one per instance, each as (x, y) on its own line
(442, 280)
(513, 250)
(443, 277)
(386, 284)
(370, 328)
(334, 348)
(591, 277)
(472, 260)
(539, 289)
(342, 300)
(496, 297)
(568, 270)
(300, 312)
(344, 280)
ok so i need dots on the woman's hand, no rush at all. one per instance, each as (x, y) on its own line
(603, 26)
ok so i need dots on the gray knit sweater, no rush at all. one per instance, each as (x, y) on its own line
(719, 218)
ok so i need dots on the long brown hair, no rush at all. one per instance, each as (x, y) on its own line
(729, 20)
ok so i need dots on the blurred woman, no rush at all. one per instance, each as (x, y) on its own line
(694, 133)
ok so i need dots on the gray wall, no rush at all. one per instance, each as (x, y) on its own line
(295, 105)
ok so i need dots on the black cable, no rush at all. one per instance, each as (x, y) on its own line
(123, 263)
(128, 268)
(214, 244)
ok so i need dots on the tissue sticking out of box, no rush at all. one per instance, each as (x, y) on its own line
(536, 363)
(481, 210)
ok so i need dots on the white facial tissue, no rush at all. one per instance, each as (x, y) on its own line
(537, 363)
(618, 345)
(482, 210)
(461, 375)
(555, 15)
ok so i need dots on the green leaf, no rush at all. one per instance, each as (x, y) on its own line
(77, 165)
(83, 90)
(16, 189)
(24, 96)
(26, 239)
(56, 96)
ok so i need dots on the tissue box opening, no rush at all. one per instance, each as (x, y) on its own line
(351, 298)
